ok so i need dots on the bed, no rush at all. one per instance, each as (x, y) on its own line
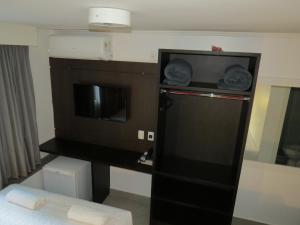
(54, 212)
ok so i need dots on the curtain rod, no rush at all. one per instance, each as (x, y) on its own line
(210, 95)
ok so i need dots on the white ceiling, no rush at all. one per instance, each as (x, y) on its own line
(216, 15)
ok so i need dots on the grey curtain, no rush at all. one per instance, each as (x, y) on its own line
(19, 146)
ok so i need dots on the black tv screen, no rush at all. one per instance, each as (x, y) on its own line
(103, 102)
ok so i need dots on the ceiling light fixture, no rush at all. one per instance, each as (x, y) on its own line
(109, 17)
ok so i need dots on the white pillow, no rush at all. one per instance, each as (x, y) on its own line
(25, 199)
(87, 215)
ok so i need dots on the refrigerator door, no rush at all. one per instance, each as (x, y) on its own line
(60, 183)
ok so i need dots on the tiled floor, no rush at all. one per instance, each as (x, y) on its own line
(237, 221)
(140, 207)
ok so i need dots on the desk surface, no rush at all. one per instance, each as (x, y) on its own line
(95, 153)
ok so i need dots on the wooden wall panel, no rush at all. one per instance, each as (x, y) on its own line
(139, 77)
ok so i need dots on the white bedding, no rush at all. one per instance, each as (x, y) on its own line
(54, 212)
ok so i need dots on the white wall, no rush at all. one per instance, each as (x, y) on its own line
(258, 116)
(267, 193)
(278, 102)
(130, 181)
(39, 61)
(15, 34)
(280, 57)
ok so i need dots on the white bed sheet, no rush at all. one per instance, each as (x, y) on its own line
(54, 212)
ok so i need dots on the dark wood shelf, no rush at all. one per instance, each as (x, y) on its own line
(178, 214)
(205, 173)
(116, 157)
(206, 87)
(195, 181)
(211, 53)
(193, 194)
(200, 141)
(194, 206)
(157, 222)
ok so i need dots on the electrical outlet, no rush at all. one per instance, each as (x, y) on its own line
(150, 136)
(141, 134)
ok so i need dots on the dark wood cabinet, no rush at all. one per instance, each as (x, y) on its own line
(201, 135)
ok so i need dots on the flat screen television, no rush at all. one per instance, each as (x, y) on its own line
(102, 102)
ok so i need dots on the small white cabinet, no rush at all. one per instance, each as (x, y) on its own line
(70, 177)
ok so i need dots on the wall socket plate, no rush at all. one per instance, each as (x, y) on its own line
(141, 134)
(150, 136)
